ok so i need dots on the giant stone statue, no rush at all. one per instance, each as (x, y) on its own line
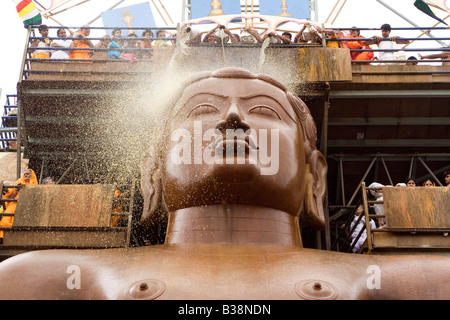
(236, 169)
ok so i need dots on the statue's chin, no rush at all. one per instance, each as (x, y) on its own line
(215, 184)
(235, 173)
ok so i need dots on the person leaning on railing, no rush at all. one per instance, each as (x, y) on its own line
(130, 43)
(80, 41)
(386, 41)
(357, 45)
(102, 44)
(61, 43)
(28, 177)
(146, 44)
(329, 34)
(115, 44)
(42, 44)
(445, 55)
(310, 36)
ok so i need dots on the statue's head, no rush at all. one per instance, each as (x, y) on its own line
(234, 137)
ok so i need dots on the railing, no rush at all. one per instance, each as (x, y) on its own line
(99, 54)
(8, 127)
(441, 40)
(103, 50)
(344, 241)
(368, 216)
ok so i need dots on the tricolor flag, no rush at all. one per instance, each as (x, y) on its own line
(29, 14)
(422, 6)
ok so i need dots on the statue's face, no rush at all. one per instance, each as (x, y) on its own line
(234, 141)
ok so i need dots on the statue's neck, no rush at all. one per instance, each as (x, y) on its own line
(233, 224)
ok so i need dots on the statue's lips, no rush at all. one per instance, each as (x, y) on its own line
(235, 146)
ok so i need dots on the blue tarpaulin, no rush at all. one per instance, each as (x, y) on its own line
(138, 15)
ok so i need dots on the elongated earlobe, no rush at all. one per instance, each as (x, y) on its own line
(152, 192)
(316, 179)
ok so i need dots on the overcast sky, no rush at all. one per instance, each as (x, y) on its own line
(361, 13)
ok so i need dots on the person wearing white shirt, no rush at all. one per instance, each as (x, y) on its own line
(61, 43)
(386, 41)
(378, 207)
(359, 225)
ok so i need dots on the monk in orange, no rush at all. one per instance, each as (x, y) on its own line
(359, 55)
(28, 177)
(117, 206)
(81, 43)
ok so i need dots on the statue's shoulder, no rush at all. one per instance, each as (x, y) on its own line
(53, 274)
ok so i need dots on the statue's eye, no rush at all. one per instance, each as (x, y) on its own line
(202, 109)
(265, 111)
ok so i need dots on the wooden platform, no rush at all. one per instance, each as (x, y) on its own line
(417, 208)
(417, 220)
(63, 216)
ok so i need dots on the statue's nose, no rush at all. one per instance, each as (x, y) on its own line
(233, 120)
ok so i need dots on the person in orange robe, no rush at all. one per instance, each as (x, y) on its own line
(117, 207)
(28, 177)
(42, 44)
(81, 43)
(359, 55)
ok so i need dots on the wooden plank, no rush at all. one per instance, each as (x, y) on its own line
(84, 238)
(407, 240)
(324, 64)
(419, 207)
(64, 206)
(101, 71)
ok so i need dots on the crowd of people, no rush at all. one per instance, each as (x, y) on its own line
(78, 45)
(309, 34)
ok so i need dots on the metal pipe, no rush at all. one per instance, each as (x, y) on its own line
(337, 14)
(332, 10)
(42, 170)
(387, 171)
(429, 170)
(8, 129)
(67, 170)
(316, 10)
(362, 180)
(425, 32)
(168, 15)
(411, 165)
(366, 213)
(99, 16)
(18, 139)
(341, 171)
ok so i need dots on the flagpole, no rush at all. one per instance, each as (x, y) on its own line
(411, 22)
(316, 10)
